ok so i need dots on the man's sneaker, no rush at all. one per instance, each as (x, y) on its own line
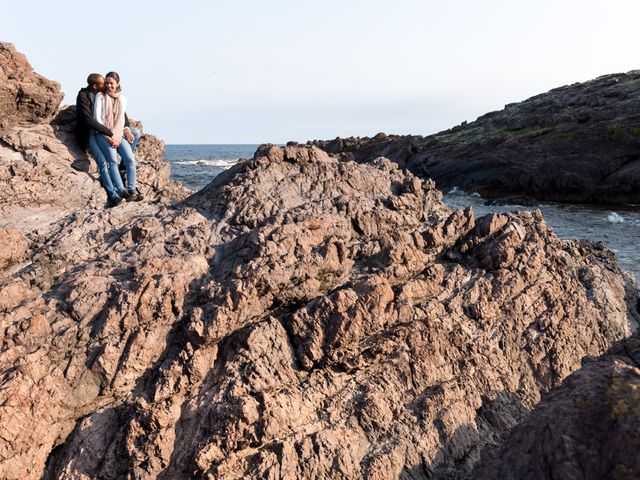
(113, 202)
(126, 194)
(134, 195)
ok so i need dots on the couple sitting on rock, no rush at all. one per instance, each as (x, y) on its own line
(103, 126)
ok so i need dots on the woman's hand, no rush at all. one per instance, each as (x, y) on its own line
(108, 139)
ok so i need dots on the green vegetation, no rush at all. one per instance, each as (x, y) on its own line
(613, 133)
(621, 472)
(625, 398)
(618, 131)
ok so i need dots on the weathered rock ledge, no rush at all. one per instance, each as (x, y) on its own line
(300, 317)
(577, 143)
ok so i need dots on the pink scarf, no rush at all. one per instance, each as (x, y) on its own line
(114, 115)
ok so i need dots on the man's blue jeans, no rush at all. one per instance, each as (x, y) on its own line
(109, 175)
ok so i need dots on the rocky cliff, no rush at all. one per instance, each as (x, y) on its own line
(578, 143)
(300, 317)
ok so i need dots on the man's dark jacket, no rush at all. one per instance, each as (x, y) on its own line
(85, 121)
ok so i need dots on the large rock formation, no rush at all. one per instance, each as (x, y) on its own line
(300, 317)
(588, 429)
(578, 143)
(25, 97)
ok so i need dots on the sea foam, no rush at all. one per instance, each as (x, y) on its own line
(220, 163)
(613, 217)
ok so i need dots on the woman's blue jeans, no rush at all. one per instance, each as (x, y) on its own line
(109, 174)
(111, 155)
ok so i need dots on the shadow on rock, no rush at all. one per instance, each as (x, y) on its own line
(455, 459)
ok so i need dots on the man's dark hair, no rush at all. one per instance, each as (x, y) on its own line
(93, 78)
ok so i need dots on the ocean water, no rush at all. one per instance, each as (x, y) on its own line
(196, 165)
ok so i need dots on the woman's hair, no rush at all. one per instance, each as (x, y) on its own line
(116, 77)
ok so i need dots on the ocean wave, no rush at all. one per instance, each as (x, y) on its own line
(613, 217)
(458, 191)
(220, 163)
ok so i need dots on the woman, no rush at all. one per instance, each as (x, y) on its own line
(108, 110)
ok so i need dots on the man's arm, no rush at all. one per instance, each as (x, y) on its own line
(83, 106)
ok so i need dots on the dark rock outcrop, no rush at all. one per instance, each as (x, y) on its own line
(578, 143)
(588, 429)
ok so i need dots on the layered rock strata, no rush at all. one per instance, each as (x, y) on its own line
(577, 143)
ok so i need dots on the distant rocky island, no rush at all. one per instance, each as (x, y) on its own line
(578, 143)
(304, 316)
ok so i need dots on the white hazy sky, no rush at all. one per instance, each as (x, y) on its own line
(249, 71)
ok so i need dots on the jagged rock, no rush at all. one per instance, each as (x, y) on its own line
(587, 429)
(25, 96)
(13, 246)
(578, 143)
(300, 317)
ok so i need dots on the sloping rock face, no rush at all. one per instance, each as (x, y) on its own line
(588, 429)
(300, 317)
(578, 143)
(25, 96)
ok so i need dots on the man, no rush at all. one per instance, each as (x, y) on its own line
(85, 128)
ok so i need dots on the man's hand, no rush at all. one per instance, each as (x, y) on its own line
(128, 135)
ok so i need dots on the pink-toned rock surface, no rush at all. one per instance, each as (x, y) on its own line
(298, 318)
(13, 246)
(25, 96)
(44, 175)
(588, 429)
